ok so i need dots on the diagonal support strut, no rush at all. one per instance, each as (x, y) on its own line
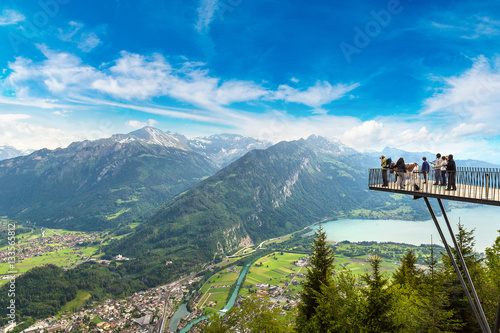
(476, 307)
(464, 266)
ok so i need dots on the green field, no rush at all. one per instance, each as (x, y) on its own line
(274, 269)
(213, 290)
(65, 257)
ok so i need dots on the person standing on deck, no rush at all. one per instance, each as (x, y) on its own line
(383, 163)
(425, 168)
(401, 166)
(444, 162)
(437, 169)
(451, 169)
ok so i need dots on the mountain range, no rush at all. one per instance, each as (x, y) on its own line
(7, 152)
(264, 194)
(193, 200)
(112, 182)
(98, 185)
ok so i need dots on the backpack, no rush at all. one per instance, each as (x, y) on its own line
(388, 162)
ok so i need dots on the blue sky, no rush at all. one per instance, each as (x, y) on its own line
(416, 75)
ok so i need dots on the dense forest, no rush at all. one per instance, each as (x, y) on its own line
(411, 300)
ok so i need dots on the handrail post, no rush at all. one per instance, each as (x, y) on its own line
(486, 176)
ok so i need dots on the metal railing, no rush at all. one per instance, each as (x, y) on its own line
(471, 183)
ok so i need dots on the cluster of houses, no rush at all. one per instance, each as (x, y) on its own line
(302, 262)
(141, 312)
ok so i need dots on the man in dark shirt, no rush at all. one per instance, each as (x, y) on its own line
(451, 169)
(425, 168)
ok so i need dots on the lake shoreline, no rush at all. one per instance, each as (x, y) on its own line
(484, 219)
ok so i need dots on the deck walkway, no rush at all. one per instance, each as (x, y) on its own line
(475, 185)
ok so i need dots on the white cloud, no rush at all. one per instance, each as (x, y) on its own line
(11, 117)
(141, 124)
(364, 134)
(84, 40)
(62, 113)
(238, 91)
(484, 27)
(139, 77)
(31, 102)
(472, 97)
(22, 132)
(59, 72)
(135, 77)
(10, 17)
(206, 13)
(472, 28)
(316, 96)
(88, 42)
(68, 35)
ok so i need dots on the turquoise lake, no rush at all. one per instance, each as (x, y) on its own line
(485, 220)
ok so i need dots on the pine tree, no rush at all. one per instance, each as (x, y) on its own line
(379, 301)
(318, 276)
(339, 306)
(435, 312)
(407, 274)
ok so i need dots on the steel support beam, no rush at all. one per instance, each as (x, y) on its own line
(483, 324)
(464, 267)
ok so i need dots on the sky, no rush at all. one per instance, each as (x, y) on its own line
(414, 75)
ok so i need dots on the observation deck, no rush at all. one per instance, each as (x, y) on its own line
(475, 185)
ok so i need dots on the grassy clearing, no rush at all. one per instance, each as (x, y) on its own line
(131, 199)
(80, 298)
(120, 212)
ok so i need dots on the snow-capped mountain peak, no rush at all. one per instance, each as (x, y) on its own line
(154, 136)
